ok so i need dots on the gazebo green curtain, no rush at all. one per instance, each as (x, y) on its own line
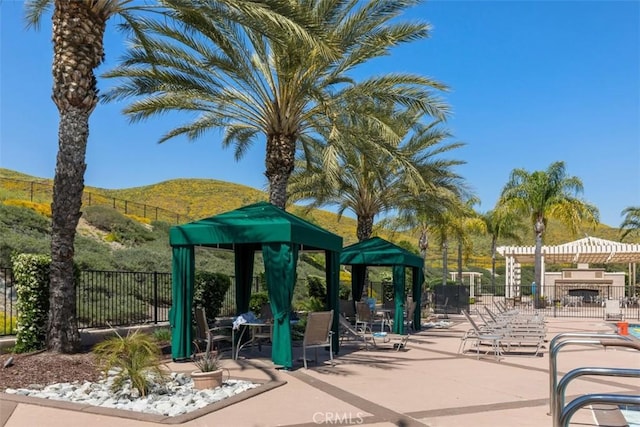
(399, 298)
(281, 279)
(183, 270)
(379, 252)
(245, 230)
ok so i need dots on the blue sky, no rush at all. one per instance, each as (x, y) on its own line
(531, 83)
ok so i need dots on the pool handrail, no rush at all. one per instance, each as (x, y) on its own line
(579, 402)
(578, 372)
(557, 343)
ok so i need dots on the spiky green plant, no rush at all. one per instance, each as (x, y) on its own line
(135, 356)
(162, 335)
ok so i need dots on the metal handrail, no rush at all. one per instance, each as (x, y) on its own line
(587, 399)
(571, 375)
(557, 344)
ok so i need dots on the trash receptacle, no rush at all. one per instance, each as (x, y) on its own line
(623, 328)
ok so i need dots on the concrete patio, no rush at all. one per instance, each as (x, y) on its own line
(429, 384)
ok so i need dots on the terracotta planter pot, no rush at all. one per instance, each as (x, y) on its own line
(205, 380)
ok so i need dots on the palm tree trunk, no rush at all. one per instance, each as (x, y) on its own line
(280, 160)
(539, 230)
(423, 245)
(77, 35)
(365, 227)
(493, 265)
(445, 250)
(460, 263)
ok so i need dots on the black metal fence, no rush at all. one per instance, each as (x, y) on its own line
(8, 309)
(118, 298)
(111, 298)
(555, 301)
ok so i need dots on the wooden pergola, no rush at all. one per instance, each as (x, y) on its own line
(590, 250)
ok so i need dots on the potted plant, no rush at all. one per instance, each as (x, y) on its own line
(209, 372)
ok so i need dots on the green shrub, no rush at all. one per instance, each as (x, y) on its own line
(315, 259)
(257, 300)
(312, 304)
(119, 227)
(317, 287)
(92, 255)
(162, 335)
(209, 291)
(136, 356)
(31, 275)
(22, 231)
(142, 259)
(345, 291)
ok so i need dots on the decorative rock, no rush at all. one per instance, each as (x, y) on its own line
(8, 362)
(176, 397)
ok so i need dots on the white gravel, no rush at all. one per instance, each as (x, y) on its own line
(176, 397)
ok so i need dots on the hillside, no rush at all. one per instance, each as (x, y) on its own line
(191, 199)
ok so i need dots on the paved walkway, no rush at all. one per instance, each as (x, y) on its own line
(430, 384)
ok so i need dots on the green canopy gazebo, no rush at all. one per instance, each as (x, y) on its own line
(379, 252)
(261, 226)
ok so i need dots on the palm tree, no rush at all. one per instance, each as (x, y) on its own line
(78, 33)
(371, 179)
(543, 195)
(429, 212)
(500, 223)
(631, 223)
(456, 222)
(251, 87)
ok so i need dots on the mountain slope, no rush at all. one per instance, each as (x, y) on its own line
(200, 198)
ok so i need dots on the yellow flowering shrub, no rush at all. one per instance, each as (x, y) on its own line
(41, 208)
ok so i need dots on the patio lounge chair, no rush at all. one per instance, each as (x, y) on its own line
(480, 336)
(502, 338)
(347, 330)
(318, 333)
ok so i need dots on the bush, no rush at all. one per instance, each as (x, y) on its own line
(119, 228)
(344, 291)
(317, 287)
(141, 259)
(312, 304)
(162, 335)
(31, 275)
(43, 209)
(22, 231)
(257, 300)
(136, 356)
(209, 291)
